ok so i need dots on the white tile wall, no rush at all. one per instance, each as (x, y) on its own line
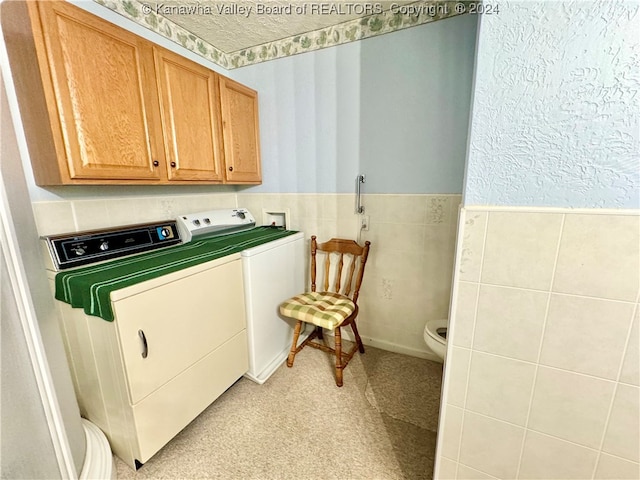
(448, 469)
(614, 468)
(451, 431)
(512, 378)
(531, 264)
(490, 446)
(569, 406)
(546, 458)
(458, 374)
(595, 267)
(512, 313)
(543, 360)
(89, 214)
(54, 217)
(466, 313)
(473, 237)
(631, 366)
(466, 473)
(621, 437)
(576, 340)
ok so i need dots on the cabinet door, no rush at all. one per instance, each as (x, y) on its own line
(165, 330)
(190, 109)
(102, 85)
(241, 133)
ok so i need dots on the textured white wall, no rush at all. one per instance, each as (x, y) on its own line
(556, 109)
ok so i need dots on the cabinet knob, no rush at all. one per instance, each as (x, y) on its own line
(231, 169)
(173, 164)
(156, 163)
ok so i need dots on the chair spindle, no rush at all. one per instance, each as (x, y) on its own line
(352, 269)
(327, 266)
(339, 273)
(313, 263)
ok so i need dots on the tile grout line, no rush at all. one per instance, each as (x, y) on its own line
(528, 429)
(74, 213)
(537, 363)
(475, 315)
(604, 430)
(510, 287)
(478, 470)
(550, 367)
(615, 392)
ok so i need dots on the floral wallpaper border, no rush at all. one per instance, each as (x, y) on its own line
(350, 31)
(345, 32)
(143, 15)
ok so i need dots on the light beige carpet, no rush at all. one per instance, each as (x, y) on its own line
(380, 425)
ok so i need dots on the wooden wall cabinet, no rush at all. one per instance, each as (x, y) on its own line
(101, 105)
(189, 106)
(241, 132)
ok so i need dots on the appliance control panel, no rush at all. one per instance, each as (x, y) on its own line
(214, 222)
(84, 248)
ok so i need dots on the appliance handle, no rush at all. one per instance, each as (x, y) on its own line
(145, 347)
(360, 179)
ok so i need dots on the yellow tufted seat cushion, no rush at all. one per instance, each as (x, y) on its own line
(324, 309)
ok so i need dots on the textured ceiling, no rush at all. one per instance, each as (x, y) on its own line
(231, 26)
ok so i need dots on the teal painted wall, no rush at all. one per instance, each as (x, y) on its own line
(415, 100)
(394, 107)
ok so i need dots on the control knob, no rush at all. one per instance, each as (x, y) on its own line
(104, 246)
(79, 251)
(241, 215)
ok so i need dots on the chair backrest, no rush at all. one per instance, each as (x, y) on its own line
(334, 278)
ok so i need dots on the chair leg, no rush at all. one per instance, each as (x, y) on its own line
(357, 335)
(292, 352)
(338, 349)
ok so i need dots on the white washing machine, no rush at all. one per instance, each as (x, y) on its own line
(272, 273)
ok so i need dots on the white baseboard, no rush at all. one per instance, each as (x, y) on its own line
(391, 347)
(395, 348)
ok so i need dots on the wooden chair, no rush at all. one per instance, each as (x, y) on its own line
(330, 308)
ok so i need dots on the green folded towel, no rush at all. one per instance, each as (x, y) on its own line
(90, 287)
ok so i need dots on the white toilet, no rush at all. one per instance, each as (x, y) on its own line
(435, 335)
